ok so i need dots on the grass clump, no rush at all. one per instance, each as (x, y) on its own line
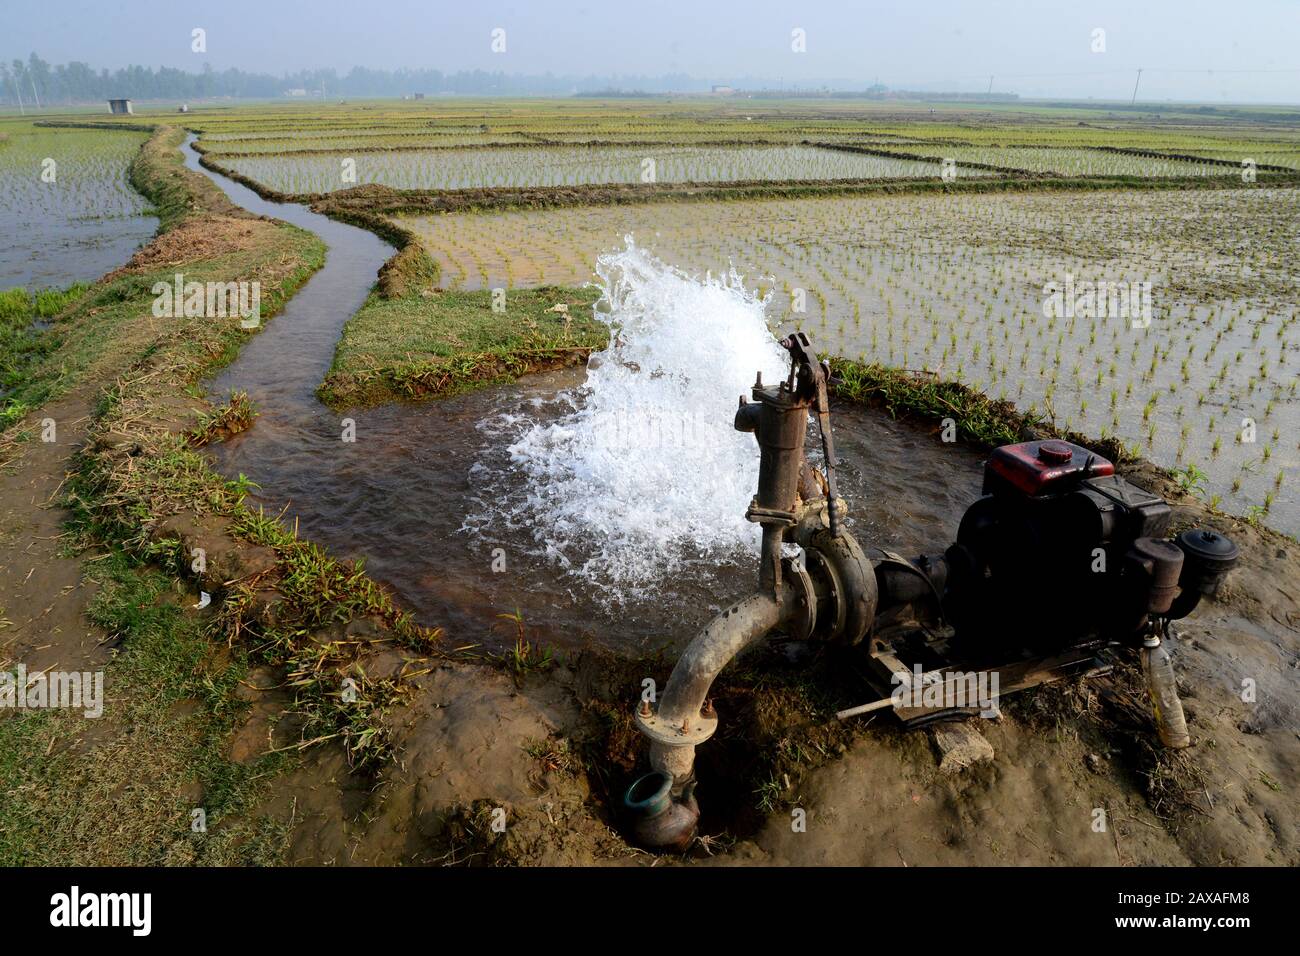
(235, 416)
(26, 337)
(445, 343)
(525, 656)
(976, 417)
(121, 790)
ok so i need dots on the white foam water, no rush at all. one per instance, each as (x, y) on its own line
(643, 476)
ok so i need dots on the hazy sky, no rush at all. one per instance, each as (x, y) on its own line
(1032, 47)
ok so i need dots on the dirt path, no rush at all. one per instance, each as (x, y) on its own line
(43, 591)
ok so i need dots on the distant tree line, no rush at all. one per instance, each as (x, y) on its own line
(36, 81)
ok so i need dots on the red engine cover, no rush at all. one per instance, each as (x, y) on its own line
(1042, 467)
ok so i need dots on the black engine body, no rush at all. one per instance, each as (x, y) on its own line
(1060, 550)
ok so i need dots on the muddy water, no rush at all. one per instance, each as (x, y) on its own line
(399, 496)
(282, 365)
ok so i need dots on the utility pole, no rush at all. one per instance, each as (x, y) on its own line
(34, 96)
(1135, 87)
(18, 89)
(990, 92)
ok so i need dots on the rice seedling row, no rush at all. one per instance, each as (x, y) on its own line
(1075, 162)
(575, 166)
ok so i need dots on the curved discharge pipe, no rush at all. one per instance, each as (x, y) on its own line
(682, 709)
(663, 801)
(684, 718)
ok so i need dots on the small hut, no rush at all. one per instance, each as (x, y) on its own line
(119, 106)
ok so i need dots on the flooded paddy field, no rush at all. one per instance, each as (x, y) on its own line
(967, 287)
(1074, 162)
(572, 166)
(345, 142)
(67, 212)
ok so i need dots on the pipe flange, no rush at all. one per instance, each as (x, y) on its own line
(834, 591)
(676, 733)
(772, 516)
(857, 582)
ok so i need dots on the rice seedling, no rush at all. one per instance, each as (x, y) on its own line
(66, 209)
(297, 172)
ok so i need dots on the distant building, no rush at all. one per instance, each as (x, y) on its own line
(120, 106)
(299, 91)
(418, 96)
(185, 108)
(723, 90)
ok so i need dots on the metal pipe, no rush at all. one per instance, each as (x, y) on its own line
(769, 566)
(682, 702)
(683, 718)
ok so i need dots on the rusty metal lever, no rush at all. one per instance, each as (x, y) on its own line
(808, 378)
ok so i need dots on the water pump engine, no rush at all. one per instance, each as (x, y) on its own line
(1060, 550)
(1057, 559)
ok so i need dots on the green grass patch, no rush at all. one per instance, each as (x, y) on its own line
(26, 337)
(444, 343)
(974, 417)
(120, 789)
